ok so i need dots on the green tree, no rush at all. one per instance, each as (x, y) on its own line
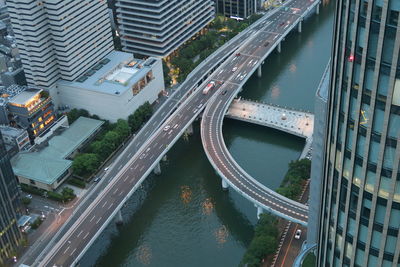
(102, 149)
(122, 128)
(26, 201)
(166, 72)
(112, 138)
(85, 163)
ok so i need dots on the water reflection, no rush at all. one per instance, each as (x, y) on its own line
(143, 254)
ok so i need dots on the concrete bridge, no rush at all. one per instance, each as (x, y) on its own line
(296, 122)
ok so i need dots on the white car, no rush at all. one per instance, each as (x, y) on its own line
(234, 69)
(297, 234)
(166, 128)
(29, 196)
(106, 169)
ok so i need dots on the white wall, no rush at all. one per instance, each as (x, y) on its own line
(109, 106)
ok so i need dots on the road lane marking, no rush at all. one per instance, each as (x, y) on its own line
(73, 252)
(98, 220)
(86, 235)
(92, 218)
(80, 233)
(104, 204)
(65, 251)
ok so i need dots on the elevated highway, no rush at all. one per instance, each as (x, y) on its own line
(136, 162)
(236, 72)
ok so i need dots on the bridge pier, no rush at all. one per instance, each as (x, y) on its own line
(279, 47)
(259, 211)
(225, 184)
(157, 169)
(299, 26)
(317, 9)
(118, 218)
(164, 158)
(189, 129)
(259, 72)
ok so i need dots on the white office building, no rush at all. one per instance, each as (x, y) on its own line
(115, 87)
(59, 39)
(158, 27)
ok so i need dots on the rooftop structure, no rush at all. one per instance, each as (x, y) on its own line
(48, 166)
(15, 138)
(29, 108)
(119, 82)
(158, 27)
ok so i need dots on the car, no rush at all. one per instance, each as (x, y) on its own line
(200, 106)
(242, 77)
(238, 54)
(195, 111)
(224, 92)
(106, 169)
(166, 128)
(234, 69)
(175, 126)
(142, 156)
(297, 234)
(29, 196)
(96, 179)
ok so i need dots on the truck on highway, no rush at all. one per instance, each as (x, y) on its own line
(209, 86)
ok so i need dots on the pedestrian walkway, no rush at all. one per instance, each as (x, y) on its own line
(299, 123)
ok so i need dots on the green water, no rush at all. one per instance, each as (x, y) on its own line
(182, 217)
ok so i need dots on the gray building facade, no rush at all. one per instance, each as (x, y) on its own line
(360, 208)
(237, 8)
(158, 27)
(10, 236)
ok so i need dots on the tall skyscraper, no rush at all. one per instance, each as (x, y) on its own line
(237, 8)
(10, 236)
(360, 209)
(59, 39)
(158, 27)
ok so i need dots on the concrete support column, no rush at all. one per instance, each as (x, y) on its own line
(299, 26)
(279, 47)
(118, 218)
(259, 72)
(164, 158)
(189, 129)
(317, 9)
(157, 169)
(259, 211)
(225, 184)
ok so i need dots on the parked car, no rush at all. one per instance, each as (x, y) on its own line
(96, 179)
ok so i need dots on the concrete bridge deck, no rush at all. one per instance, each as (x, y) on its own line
(292, 121)
(296, 122)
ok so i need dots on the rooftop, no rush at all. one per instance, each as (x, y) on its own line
(114, 74)
(25, 96)
(11, 131)
(48, 164)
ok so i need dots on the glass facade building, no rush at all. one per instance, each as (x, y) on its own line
(10, 235)
(360, 212)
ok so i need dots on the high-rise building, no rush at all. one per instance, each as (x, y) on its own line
(360, 209)
(59, 39)
(239, 9)
(158, 27)
(10, 236)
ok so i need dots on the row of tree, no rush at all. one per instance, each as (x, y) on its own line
(299, 171)
(264, 242)
(219, 31)
(109, 140)
(266, 234)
